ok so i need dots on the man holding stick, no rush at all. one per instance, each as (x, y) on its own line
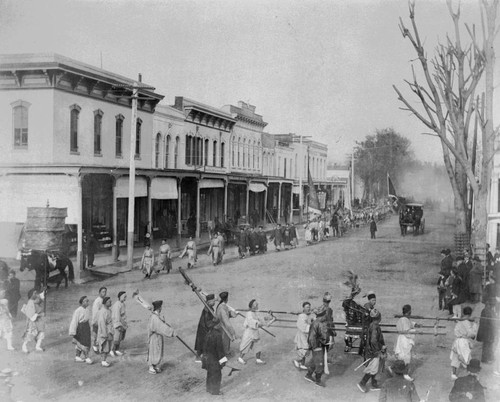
(213, 356)
(157, 329)
(304, 321)
(204, 325)
(223, 314)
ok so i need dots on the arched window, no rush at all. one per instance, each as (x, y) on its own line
(119, 135)
(138, 138)
(97, 131)
(239, 150)
(176, 151)
(254, 151)
(73, 128)
(233, 145)
(222, 151)
(244, 152)
(214, 154)
(157, 150)
(20, 123)
(167, 151)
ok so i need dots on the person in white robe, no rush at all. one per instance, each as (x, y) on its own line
(250, 338)
(190, 251)
(215, 249)
(148, 261)
(157, 330)
(96, 306)
(465, 332)
(35, 320)
(164, 257)
(302, 349)
(5, 321)
(79, 329)
(406, 339)
(105, 330)
(119, 317)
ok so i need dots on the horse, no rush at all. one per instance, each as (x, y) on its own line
(46, 262)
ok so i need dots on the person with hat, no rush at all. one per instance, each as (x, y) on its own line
(277, 237)
(370, 304)
(92, 247)
(157, 329)
(119, 316)
(203, 327)
(213, 356)
(398, 388)
(262, 240)
(317, 339)
(242, 242)
(468, 388)
(35, 320)
(79, 329)
(223, 314)
(458, 292)
(373, 227)
(105, 330)
(465, 332)
(222, 244)
(446, 261)
(214, 250)
(304, 321)
(375, 352)
(164, 257)
(250, 338)
(327, 298)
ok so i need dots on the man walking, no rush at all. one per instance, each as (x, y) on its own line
(157, 329)
(373, 227)
(91, 250)
(214, 357)
(223, 314)
(96, 306)
(406, 337)
(318, 342)
(119, 316)
(304, 321)
(375, 352)
(465, 332)
(105, 330)
(203, 327)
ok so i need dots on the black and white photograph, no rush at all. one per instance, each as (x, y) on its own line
(262, 200)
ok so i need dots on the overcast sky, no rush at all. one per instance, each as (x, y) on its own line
(323, 68)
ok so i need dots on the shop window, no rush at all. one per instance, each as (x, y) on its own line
(97, 131)
(176, 151)
(188, 149)
(20, 123)
(73, 130)
(119, 135)
(214, 154)
(138, 127)
(222, 150)
(205, 152)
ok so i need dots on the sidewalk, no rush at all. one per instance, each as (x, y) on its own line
(106, 267)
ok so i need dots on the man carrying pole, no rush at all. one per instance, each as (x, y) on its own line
(157, 329)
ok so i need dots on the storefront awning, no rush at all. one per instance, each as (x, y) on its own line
(257, 187)
(211, 183)
(121, 189)
(296, 189)
(164, 188)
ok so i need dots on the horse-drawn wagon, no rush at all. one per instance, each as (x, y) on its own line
(411, 215)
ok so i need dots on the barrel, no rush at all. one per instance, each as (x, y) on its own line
(44, 228)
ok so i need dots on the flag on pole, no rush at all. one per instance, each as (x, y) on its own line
(313, 195)
(390, 188)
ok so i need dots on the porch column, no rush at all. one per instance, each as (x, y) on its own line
(265, 206)
(116, 241)
(79, 267)
(150, 208)
(198, 232)
(279, 204)
(248, 202)
(291, 203)
(179, 223)
(225, 200)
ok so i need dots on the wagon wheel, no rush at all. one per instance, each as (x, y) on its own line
(422, 225)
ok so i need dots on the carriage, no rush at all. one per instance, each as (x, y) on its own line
(411, 215)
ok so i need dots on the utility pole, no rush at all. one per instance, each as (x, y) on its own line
(352, 178)
(131, 178)
(301, 201)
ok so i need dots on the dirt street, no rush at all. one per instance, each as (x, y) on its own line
(399, 270)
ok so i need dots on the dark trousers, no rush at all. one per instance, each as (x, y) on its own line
(13, 308)
(214, 378)
(487, 355)
(373, 235)
(90, 257)
(316, 364)
(442, 301)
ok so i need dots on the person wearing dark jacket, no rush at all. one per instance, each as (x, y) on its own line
(446, 262)
(468, 388)
(277, 237)
(242, 242)
(12, 292)
(398, 388)
(486, 332)
(91, 250)
(318, 342)
(203, 327)
(213, 357)
(373, 227)
(262, 240)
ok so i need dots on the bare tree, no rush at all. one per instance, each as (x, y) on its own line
(448, 103)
